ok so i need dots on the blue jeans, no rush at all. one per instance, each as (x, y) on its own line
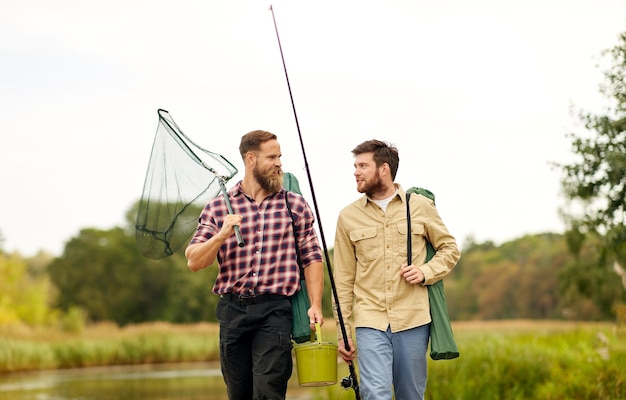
(392, 360)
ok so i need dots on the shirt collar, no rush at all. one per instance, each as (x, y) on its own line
(400, 192)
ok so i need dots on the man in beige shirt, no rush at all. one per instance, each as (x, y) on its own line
(385, 296)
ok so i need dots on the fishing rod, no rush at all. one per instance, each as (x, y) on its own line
(350, 381)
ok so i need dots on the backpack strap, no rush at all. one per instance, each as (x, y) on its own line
(295, 235)
(430, 250)
(409, 236)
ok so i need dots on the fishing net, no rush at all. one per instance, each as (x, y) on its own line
(181, 178)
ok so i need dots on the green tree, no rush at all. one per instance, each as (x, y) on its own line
(24, 297)
(588, 287)
(190, 294)
(103, 273)
(596, 180)
(595, 185)
(534, 277)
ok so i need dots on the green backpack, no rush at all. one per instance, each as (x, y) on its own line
(442, 344)
(300, 304)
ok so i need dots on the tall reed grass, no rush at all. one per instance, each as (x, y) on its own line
(531, 360)
(106, 344)
(539, 360)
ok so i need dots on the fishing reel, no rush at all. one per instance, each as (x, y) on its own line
(348, 382)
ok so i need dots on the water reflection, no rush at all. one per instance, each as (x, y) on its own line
(180, 381)
(155, 382)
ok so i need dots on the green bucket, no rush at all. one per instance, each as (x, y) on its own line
(316, 361)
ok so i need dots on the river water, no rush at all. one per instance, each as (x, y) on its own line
(189, 381)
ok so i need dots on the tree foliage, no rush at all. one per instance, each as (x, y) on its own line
(596, 180)
(102, 272)
(533, 277)
(101, 275)
(24, 297)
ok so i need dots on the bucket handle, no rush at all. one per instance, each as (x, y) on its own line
(317, 333)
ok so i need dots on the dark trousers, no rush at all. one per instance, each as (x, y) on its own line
(255, 348)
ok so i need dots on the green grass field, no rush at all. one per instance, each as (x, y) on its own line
(515, 359)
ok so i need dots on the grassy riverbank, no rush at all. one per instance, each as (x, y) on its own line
(499, 359)
(24, 349)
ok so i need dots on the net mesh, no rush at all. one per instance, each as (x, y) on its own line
(181, 178)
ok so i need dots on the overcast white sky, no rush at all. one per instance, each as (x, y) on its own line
(476, 95)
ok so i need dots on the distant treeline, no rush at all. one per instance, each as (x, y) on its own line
(535, 277)
(102, 277)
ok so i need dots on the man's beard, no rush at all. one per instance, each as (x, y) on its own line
(375, 186)
(269, 182)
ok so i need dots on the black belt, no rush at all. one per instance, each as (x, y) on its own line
(254, 299)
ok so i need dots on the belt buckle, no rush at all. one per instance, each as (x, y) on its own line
(247, 300)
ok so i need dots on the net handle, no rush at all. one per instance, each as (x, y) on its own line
(222, 180)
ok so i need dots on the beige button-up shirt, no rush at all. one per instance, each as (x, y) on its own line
(370, 247)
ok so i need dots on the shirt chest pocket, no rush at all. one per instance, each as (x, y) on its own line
(418, 240)
(365, 243)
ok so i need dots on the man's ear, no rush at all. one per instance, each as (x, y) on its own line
(250, 159)
(386, 169)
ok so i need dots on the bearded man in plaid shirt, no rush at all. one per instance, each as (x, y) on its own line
(255, 281)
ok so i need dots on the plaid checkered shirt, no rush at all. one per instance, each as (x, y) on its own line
(267, 263)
